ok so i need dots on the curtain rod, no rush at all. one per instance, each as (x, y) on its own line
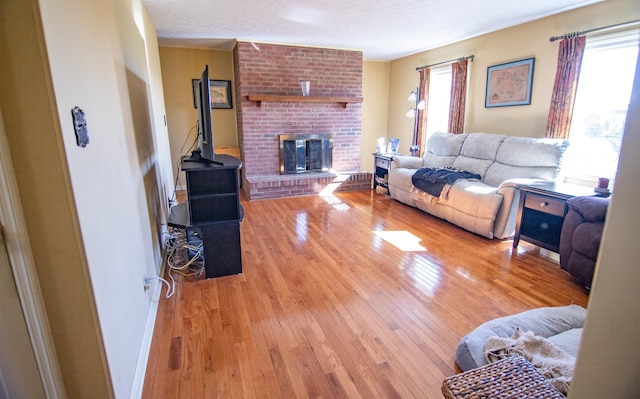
(575, 34)
(470, 57)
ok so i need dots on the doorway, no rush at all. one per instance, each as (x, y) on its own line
(19, 376)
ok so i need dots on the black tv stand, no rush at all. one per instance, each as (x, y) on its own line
(213, 212)
(196, 156)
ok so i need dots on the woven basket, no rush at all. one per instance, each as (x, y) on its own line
(513, 377)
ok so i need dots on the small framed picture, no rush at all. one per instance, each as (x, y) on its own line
(393, 146)
(219, 92)
(509, 84)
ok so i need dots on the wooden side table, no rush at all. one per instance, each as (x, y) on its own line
(382, 164)
(541, 212)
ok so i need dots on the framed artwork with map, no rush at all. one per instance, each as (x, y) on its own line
(509, 84)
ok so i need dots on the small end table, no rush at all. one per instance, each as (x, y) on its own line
(382, 164)
(541, 212)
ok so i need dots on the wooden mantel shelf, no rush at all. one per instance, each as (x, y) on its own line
(259, 98)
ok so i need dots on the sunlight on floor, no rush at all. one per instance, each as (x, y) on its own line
(524, 248)
(403, 240)
(464, 273)
(424, 272)
(301, 227)
(327, 193)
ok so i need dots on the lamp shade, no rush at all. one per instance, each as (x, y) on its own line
(411, 113)
(421, 105)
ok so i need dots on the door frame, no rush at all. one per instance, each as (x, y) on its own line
(18, 247)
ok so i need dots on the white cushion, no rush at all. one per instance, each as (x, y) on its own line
(478, 152)
(543, 322)
(442, 149)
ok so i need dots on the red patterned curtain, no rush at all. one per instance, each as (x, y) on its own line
(458, 96)
(422, 115)
(566, 83)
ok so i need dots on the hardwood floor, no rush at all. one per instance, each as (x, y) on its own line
(352, 295)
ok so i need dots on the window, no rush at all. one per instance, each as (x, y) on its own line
(439, 99)
(602, 100)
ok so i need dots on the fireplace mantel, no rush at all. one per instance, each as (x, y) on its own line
(259, 98)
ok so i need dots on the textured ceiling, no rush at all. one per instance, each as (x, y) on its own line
(382, 29)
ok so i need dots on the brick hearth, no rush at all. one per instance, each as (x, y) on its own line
(274, 186)
(265, 69)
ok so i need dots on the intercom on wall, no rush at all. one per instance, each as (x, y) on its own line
(80, 127)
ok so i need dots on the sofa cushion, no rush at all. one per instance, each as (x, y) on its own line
(442, 149)
(520, 157)
(592, 209)
(567, 340)
(586, 238)
(581, 235)
(482, 145)
(472, 205)
(528, 151)
(478, 152)
(543, 322)
(400, 185)
(499, 172)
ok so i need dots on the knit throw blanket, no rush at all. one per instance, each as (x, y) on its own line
(433, 180)
(552, 362)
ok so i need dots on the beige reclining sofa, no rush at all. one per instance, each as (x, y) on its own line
(488, 206)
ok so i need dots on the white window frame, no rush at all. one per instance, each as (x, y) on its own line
(439, 101)
(596, 44)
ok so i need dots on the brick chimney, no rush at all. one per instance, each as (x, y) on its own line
(267, 69)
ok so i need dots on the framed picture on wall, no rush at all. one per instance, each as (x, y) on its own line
(219, 91)
(509, 84)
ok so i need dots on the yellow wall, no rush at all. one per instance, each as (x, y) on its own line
(386, 85)
(51, 219)
(93, 214)
(179, 67)
(516, 43)
(375, 89)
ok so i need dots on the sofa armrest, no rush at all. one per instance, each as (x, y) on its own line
(515, 182)
(408, 162)
(592, 209)
(505, 223)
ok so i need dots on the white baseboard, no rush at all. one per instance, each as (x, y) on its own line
(145, 346)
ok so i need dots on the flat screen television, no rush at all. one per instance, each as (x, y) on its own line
(202, 96)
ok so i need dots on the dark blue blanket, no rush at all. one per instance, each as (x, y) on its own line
(432, 180)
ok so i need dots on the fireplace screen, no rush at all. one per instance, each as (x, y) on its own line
(301, 154)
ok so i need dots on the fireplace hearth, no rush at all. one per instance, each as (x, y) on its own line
(305, 153)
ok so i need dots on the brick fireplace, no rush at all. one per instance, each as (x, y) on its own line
(267, 79)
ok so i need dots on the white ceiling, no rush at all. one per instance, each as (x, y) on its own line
(382, 29)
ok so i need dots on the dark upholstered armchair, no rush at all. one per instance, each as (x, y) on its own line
(581, 235)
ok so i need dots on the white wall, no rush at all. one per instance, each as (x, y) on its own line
(99, 62)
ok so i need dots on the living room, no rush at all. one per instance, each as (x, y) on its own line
(79, 204)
